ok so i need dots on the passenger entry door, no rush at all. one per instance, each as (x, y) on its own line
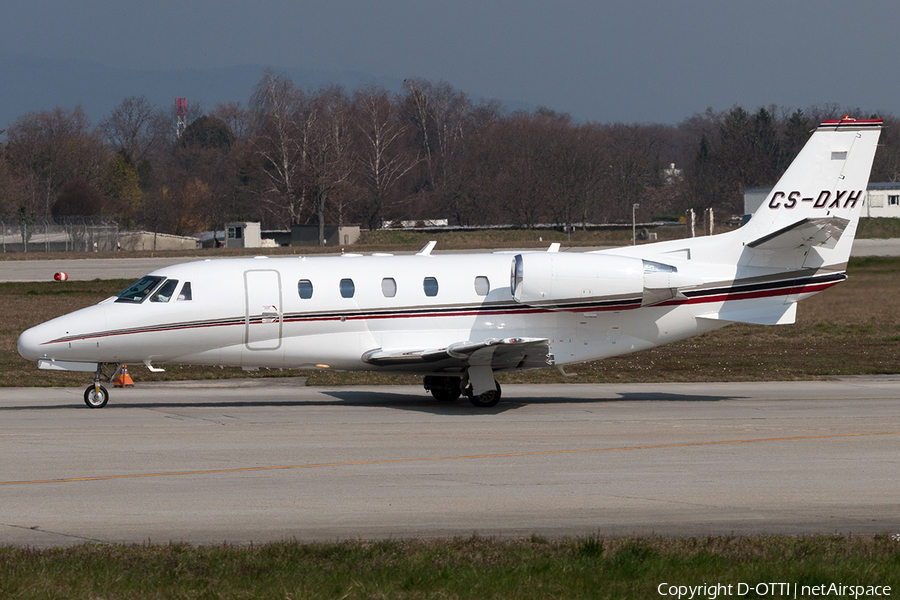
(263, 318)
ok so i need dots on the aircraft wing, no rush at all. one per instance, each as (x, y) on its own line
(499, 353)
(822, 231)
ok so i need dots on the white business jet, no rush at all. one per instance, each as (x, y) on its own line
(458, 319)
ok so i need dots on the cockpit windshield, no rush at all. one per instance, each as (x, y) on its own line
(165, 291)
(139, 290)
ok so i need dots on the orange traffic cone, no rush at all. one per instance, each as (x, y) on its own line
(124, 380)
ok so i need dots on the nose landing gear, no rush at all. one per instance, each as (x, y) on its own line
(95, 395)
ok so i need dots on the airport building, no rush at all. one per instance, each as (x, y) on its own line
(882, 200)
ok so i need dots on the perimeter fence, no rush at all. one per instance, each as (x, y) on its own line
(70, 234)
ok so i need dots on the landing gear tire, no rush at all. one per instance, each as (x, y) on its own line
(487, 399)
(95, 399)
(446, 394)
(444, 389)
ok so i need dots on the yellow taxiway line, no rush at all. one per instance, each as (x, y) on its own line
(442, 458)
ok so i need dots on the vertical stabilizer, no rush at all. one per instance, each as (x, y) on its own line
(816, 205)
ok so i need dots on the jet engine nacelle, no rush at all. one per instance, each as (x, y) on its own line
(552, 277)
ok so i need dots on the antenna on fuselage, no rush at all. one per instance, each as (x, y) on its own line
(427, 248)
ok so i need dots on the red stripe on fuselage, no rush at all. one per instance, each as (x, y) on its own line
(513, 310)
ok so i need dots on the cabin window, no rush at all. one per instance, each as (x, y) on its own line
(347, 288)
(388, 287)
(165, 291)
(431, 286)
(139, 290)
(482, 285)
(185, 294)
(305, 288)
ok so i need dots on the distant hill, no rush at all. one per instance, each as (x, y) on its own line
(28, 83)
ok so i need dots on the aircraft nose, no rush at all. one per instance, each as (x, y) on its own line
(29, 344)
(47, 340)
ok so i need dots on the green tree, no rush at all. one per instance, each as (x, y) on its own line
(766, 150)
(796, 132)
(123, 188)
(208, 133)
(78, 198)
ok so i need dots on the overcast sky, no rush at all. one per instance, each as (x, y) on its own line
(635, 61)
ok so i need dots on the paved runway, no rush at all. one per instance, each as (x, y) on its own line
(86, 269)
(251, 461)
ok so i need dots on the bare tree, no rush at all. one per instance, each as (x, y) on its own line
(49, 148)
(279, 141)
(383, 155)
(887, 159)
(137, 127)
(441, 116)
(630, 153)
(470, 193)
(238, 118)
(522, 187)
(327, 162)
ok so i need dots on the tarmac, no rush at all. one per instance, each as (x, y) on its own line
(268, 460)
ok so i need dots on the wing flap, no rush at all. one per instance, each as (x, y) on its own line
(499, 353)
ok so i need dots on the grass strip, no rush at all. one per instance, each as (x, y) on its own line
(475, 567)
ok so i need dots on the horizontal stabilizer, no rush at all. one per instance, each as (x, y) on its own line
(499, 353)
(818, 231)
(777, 314)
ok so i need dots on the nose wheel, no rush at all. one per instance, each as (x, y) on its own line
(96, 396)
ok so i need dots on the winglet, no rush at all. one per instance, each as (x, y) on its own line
(427, 248)
(554, 247)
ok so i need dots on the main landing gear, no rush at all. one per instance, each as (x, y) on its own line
(448, 389)
(485, 399)
(444, 389)
(95, 395)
